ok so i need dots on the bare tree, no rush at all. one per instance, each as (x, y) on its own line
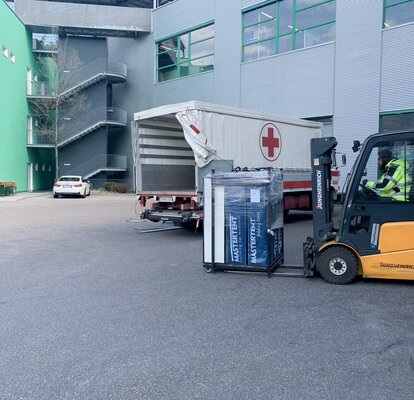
(57, 99)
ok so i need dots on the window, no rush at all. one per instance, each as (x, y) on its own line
(117, 3)
(185, 54)
(388, 172)
(163, 2)
(397, 121)
(397, 12)
(287, 25)
(12, 58)
(5, 51)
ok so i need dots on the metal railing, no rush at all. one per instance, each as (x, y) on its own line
(41, 137)
(39, 89)
(73, 128)
(90, 73)
(79, 79)
(99, 163)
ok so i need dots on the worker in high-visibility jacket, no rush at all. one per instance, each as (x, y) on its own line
(394, 181)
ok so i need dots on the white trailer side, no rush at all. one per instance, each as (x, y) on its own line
(168, 154)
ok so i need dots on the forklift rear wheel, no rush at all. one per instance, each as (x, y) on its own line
(338, 265)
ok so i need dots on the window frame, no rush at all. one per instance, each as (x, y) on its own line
(293, 32)
(387, 7)
(180, 62)
(390, 113)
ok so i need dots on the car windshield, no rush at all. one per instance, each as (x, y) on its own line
(69, 179)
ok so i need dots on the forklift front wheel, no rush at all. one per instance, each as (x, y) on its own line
(338, 265)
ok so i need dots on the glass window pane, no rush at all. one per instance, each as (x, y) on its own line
(400, 14)
(306, 3)
(203, 33)
(315, 15)
(391, 2)
(260, 50)
(176, 55)
(395, 157)
(185, 69)
(397, 122)
(184, 39)
(262, 31)
(250, 34)
(168, 58)
(202, 65)
(314, 36)
(168, 73)
(285, 16)
(168, 44)
(285, 43)
(259, 14)
(202, 48)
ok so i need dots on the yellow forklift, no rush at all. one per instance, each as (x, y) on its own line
(375, 234)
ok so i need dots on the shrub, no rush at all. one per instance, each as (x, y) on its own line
(108, 186)
(120, 188)
(115, 187)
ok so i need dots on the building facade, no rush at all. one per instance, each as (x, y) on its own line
(346, 63)
(31, 167)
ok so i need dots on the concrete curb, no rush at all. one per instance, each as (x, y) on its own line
(22, 196)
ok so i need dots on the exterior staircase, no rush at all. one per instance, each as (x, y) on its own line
(100, 163)
(91, 73)
(90, 121)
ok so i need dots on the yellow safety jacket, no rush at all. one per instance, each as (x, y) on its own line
(394, 181)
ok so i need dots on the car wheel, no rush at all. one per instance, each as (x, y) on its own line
(84, 194)
(338, 265)
(55, 196)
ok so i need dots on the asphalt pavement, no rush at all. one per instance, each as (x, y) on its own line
(91, 308)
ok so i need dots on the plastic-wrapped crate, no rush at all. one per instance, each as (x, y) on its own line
(243, 220)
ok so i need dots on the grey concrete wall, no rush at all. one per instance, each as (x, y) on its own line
(298, 84)
(397, 73)
(182, 15)
(89, 16)
(89, 48)
(357, 71)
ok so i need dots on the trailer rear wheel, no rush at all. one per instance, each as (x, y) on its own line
(338, 265)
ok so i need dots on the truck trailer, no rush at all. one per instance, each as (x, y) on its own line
(177, 145)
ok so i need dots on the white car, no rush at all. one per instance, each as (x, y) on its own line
(71, 186)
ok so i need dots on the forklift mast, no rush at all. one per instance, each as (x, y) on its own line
(321, 158)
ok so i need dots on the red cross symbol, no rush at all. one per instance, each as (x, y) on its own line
(269, 143)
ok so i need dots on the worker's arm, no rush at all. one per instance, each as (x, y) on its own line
(386, 183)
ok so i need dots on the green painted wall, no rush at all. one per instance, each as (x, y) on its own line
(14, 108)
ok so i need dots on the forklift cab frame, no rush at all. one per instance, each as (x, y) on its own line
(375, 237)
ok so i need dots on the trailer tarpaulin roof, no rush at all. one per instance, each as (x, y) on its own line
(194, 136)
